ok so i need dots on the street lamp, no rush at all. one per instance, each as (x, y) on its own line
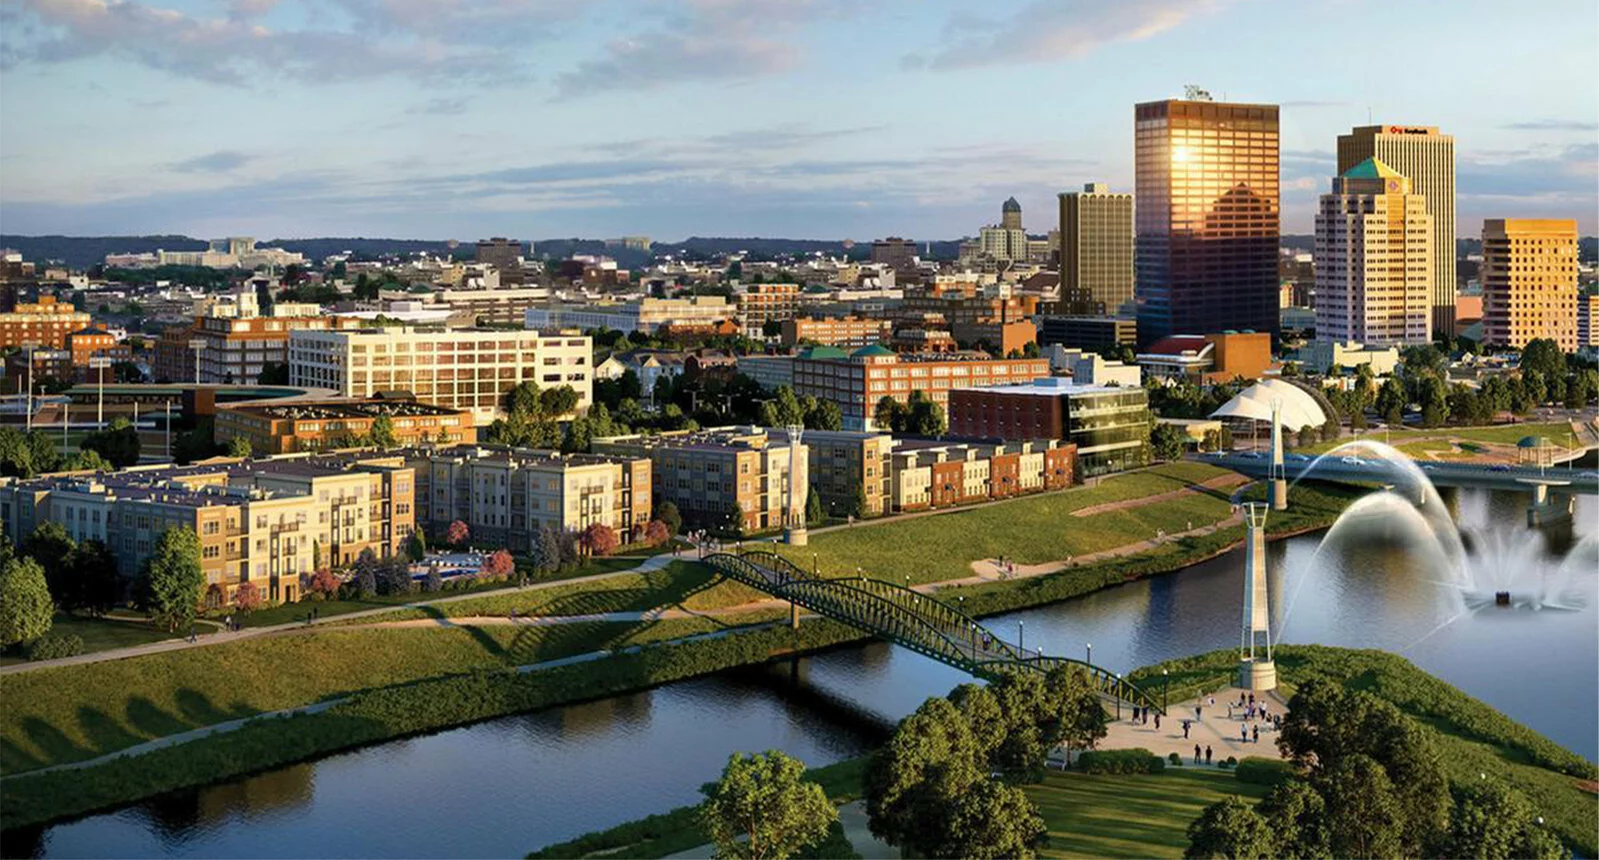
(1021, 641)
(27, 353)
(1090, 659)
(197, 344)
(100, 363)
(1165, 689)
(1118, 697)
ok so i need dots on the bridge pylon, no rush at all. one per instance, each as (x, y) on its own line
(1278, 475)
(795, 534)
(1256, 671)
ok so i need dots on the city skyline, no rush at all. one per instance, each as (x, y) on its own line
(810, 120)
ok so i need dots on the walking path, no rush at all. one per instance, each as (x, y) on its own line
(1213, 728)
(652, 563)
(1220, 482)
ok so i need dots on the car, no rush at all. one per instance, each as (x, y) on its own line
(1297, 457)
(1499, 467)
(1253, 455)
(1589, 476)
(1352, 461)
(1428, 467)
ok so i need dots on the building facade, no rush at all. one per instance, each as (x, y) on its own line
(1109, 426)
(1096, 247)
(759, 304)
(465, 369)
(848, 331)
(43, 323)
(317, 425)
(1087, 332)
(1373, 259)
(271, 523)
(505, 495)
(1207, 218)
(721, 475)
(1587, 320)
(1529, 281)
(894, 251)
(937, 475)
(848, 467)
(1208, 358)
(1427, 159)
(857, 381)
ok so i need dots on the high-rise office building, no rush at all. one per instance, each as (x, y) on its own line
(1207, 217)
(1427, 159)
(1373, 259)
(1529, 281)
(1096, 247)
(1010, 214)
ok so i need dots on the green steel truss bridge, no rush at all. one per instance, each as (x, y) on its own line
(911, 620)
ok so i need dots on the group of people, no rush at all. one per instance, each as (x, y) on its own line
(1249, 710)
(1141, 718)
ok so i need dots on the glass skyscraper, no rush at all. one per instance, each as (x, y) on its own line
(1207, 221)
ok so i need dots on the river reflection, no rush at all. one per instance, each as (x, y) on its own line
(510, 785)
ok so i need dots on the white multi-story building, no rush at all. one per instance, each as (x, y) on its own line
(646, 315)
(468, 369)
(1373, 259)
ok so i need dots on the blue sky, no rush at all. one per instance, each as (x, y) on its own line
(799, 118)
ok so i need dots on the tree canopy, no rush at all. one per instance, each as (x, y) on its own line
(763, 808)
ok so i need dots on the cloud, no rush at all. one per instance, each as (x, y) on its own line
(1568, 171)
(1045, 31)
(442, 106)
(233, 50)
(221, 161)
(787, 135)
(1552, 125)
(710, 40)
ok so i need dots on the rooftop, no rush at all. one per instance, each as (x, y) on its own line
(1372, 168)
(1050, 386)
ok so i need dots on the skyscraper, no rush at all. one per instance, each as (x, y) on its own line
(1427, 159)
(1373, 259)
(1010, 215)
(1207, 217)
(1529, 281)
(1096, 247)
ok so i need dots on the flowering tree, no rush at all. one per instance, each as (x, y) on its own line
(457, 534)
(599, 539)
(657, 533)
(499, 565)
(247, 598)
(324, 584)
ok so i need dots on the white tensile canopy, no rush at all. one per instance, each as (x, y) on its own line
(1299, 409)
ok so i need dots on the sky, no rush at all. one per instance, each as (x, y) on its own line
(823, 119)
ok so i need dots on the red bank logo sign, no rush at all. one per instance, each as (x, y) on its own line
(1403, 129)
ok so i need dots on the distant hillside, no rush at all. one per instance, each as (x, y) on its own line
(80, 252)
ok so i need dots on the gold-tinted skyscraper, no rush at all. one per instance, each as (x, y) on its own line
(1427, 159)
(1096, 248)
(1207, 217)
(1373, 259)
(1529, 281)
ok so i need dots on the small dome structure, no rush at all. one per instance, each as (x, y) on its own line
(1299, 409)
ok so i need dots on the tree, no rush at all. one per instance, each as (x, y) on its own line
(416, 546)
(547, 550)
(910, 780)
(1391, 402)
(381, 434)
(783, 409)
(499, 565)
(1167, 441)
(1362, 799)
(825, 415)
(1493, 821)
(1072, 713)
(26, 612)
(323, 584)
(50, 546)
(762, 807)
(656, 533)
(456, 534)
(239, 446)
(993, 820)
(1229, 828)
(667, 513)
(172, 578)
(94, 567)
(1298, 820)
(1542, 355)
(925, 417)
(273, 373)
(813, 508)
(43, 453)
(119, 443)
(890, 414)
(247, 598)
(599, 539)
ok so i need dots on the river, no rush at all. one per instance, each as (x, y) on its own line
(510, 785)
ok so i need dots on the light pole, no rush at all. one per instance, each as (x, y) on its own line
(1118, 697)
(1021, 639)
(99, 363)
(1090, 659)
(197, 344)
(1165, 689)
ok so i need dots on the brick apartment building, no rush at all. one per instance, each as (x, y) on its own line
(1108, 426)
(857, 381)
(759, 304)
(315, 425)
(708, 474)
(44, 323)
(936, 475)
(849, 332)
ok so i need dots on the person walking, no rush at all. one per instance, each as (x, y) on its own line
(1207, 753)
(1257, 734)
(1243, 734)
(1157, 722)
(1199, 713)
(1185, 729)
(1196, 753)
(1135, 713)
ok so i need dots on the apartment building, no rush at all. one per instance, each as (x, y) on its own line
(994, 313)
(935, 475)
(1587, 320)
(269, 523)
(466, 369)
(850, 331)
(236, 350)
(1108, 426)
(759, 304)
(845, 465)
(43, 323)
(712, 473)
(645, 315)
(856, 381)
(506, 494)
(315, 425)
(502, 306)
(1529, 281)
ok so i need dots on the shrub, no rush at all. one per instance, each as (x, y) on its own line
(53, 646)
(657, 533)
(1174, 760)
(498, 566)
(323, 584)
(1263, 771)
(247, 598)
(1232, 761)
(1137, 760)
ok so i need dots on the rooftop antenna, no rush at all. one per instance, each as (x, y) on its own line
(1196, 93)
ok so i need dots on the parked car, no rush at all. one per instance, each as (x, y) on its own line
(1499, 467)
(1352, 461)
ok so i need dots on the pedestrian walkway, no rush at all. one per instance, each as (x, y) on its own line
(655, 562)
(1220, 482)
(989, 569)
(1212, 727)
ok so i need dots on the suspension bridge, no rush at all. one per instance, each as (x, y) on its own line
(911, 620)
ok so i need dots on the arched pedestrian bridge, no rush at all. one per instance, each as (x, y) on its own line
(910, 619)
(1257, 464)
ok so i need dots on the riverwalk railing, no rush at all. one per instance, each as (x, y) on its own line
(912, 620)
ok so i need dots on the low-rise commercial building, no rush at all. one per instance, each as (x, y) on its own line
(316, 425)
(645, 315)
(857, 381)
(1108, 426)
(935, 475)
(1087, 332)
(1209, 358)
(505, 495)
(1091, 368)
(720, 475)
(1322, 356)
(466, 369)
(270, 523)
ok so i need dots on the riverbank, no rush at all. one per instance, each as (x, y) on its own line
(273, 743)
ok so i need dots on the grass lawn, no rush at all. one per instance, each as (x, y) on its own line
(1503, 434)
(100, 634)
(1133, 815)
(1030, 530)
(77, 712)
